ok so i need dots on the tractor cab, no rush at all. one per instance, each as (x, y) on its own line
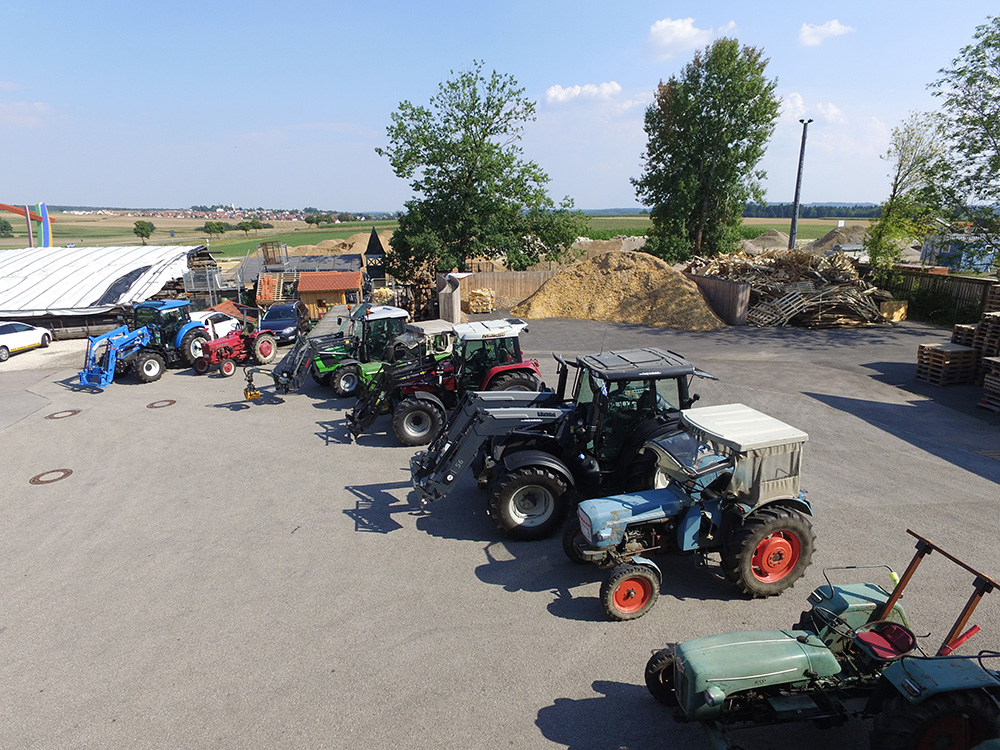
(484, 345)
(429, 339)
(164, 318)
(375, 328)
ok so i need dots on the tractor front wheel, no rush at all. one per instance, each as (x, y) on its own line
(769, 552)
(630, 591)
(265, 349)
(660, 675)
(518, 380)
(417, 421)
(148, 367)
(951, 721)
(227, 367)
(345, 380)
(201, 365)
(191, 345)
(571, 535)
(320, 379)
(528, 503)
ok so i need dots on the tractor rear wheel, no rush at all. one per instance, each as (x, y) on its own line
(630, 591)
(519, 380)
(769, 552)
(201, 365)
(265, 349)
(148, 366)
(571, 534)
(417, 421)
(345, 380)
(191, 345)
(528, 503)
(227, 368)
(951, 721)
(660, 675)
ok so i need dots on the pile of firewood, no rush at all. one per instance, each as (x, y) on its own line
(482, 301)
(791, 287)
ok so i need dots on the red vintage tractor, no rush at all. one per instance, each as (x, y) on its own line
(238, 347)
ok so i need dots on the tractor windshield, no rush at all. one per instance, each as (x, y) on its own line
(682, 456)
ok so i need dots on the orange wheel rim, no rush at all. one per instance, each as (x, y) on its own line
(632, 594)
(776, 556)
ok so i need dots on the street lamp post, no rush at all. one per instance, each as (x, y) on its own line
(798, 186)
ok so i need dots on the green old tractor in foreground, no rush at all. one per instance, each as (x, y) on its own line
(852, 654)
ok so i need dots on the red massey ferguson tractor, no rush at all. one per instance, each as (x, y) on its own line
(238, 347)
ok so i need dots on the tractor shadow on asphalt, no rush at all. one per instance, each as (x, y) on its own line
(375, 506)
(266, 399)
(542, 566)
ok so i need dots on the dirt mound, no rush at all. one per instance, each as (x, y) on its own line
(772, 239)
(353, 245)
(849, 235)
(623, 287)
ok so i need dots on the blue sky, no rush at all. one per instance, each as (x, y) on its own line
(259, 104)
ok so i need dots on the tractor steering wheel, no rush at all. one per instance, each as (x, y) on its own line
(835, 622)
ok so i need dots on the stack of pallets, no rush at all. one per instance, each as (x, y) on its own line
(991, 383)
(987, 336)
(482, 301)
(963, 334)
(946, 364)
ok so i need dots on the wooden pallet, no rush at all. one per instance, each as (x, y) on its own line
(946, 364)
(993, 299)
(963, 334)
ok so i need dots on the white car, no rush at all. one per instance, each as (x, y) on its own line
(218, 324)
(19, 337)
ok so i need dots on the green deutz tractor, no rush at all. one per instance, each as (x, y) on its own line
(852, 654)
(363, 337)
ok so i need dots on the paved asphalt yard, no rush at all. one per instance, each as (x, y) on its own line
(230, 575)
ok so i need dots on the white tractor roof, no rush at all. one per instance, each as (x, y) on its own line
(490, 329)
(740, 428)
(384, 312)
(431, 327)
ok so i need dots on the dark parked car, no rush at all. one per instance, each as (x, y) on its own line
(286, 321)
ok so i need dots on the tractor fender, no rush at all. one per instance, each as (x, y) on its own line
(744, 509)
(183, 332)
(638, 560)
(919, 679)
(519, 459)
(428, 396)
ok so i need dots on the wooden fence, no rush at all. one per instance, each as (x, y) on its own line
(965, 291)
(509, 287)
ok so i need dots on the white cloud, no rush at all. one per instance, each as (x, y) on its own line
(559, 95)
(25, 114)
(669, 36)
(9, 86)
(792, 107)
(830, 112)
(811, 35)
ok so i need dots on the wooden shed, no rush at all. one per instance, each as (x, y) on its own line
(320, 290)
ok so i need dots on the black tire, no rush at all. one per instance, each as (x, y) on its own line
(191, 345)
(227, 368)
(201, 365)
(952, 721)
(572, 533)
(630, 591)
(660, 675)
(519, 380)
(528, 503)
(346, 380)
(4, 353)
(769, 552)
(45, 340)
(148, 367)
(323, 380)
(265, 348)
(417, 421)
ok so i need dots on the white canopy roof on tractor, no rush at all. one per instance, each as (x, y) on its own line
(430, 327)
(740, 428)
(490, 329)
(384, 312)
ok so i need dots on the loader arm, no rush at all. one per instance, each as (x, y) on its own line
(104, 352)
(479, 416)
(390, 379)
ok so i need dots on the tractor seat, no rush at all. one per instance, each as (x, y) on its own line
(885, 641)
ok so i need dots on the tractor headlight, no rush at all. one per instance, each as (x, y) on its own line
(714, 696)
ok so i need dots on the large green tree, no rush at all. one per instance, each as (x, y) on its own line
(967, 177)
(707, 130)
(908, 214)
(476, 196)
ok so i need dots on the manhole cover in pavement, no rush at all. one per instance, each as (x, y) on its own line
(62, 414)
(161, 404)
(48, 477)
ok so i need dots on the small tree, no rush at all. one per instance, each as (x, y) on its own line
(245, 227)
(143, 230)
(707, 130)
(907, 214)
(6, 229)
(477, 196)
(214, 227)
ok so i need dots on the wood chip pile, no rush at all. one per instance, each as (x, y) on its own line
(624, 287)
(792, 287)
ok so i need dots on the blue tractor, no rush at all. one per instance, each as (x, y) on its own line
(162, 334)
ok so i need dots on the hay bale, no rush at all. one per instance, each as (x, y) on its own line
(623, 287)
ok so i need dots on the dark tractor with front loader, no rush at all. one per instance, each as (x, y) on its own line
(162, 334)
(852, 654)
(727, 481)
(421, 390)
(535, 454)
